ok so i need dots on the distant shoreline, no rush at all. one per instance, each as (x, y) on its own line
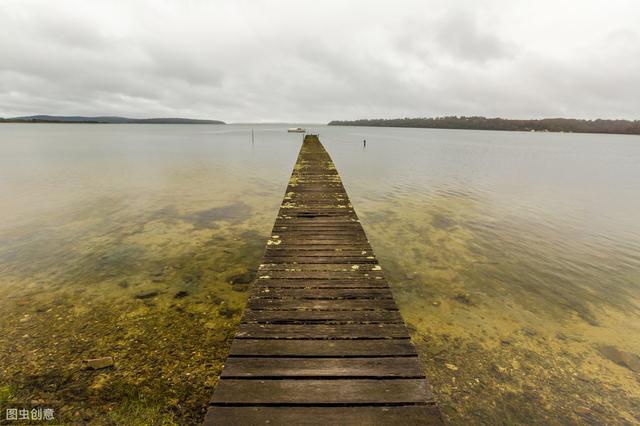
(93, 122)
(104, 120)
(556, 125)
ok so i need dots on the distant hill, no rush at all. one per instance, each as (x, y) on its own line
(483, 123)
(105, 119)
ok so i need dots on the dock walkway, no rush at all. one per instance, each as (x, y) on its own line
(321, 341)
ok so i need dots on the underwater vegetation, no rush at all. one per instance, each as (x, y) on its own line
(159, 297)
(511, 331)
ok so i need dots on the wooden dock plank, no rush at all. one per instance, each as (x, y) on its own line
(315, 248)
(318, 275)
(322, 392)
(266, 292)
(405, 367)
(324, 267)
(311, 317)
(323, 305)
(322, 348)
(297, 260)
(321, 340)
(296, 283)
(426, 415)
(322, 331)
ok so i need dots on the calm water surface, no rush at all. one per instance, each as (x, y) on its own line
(514, 257)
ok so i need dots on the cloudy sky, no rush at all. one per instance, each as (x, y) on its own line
(314, 61)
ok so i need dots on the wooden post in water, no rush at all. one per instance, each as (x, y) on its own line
(321, 341)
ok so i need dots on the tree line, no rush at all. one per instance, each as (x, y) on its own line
(483, 123)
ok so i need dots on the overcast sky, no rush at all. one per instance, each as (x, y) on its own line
(314, 61)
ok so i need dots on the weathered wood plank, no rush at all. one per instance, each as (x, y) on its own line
(322, 331)
(426, 415)
(285, 217)
(267, 292)
(329, 275)
(320, 348)
(365, 251)
(324, 231)
(287, 317)
(299, 283)
(338, 391)
(328, 233)
(336, 248)
(403, 367)
(324, 267)
(302, 260)
(324, 305)
(309, 227)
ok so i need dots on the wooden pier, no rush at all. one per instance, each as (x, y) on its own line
(321, 341)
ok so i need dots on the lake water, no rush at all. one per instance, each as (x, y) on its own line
(514, 258)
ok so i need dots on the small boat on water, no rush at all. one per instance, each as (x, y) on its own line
(296, 130)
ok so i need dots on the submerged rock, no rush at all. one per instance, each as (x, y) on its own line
(98, 363)
(242, 281)
(435, 350)
(498, 371)
(464, 298)
(244, 278)
(206, 219)
(225, 311)
(474, 347)
(180, 294)
(623, 358)
(582, 410)
(146, 294)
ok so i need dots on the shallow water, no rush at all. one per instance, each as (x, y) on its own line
(514, 257)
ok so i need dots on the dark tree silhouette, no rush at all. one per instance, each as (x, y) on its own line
(483, 123)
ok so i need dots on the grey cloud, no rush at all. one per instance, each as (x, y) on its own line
(317, 61)
(461, 36)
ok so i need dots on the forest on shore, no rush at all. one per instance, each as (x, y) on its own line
(104, 120)
(483, 123)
